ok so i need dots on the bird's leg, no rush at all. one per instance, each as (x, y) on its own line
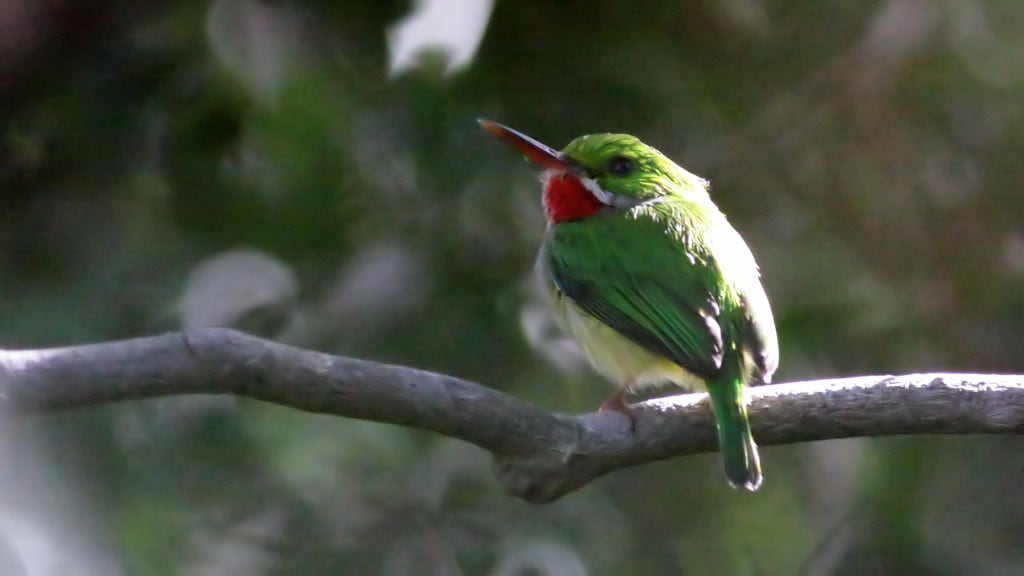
(617, 403)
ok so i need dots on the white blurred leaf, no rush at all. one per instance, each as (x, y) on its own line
(241, 288)
(258, 42)
(452, 27)
(540, 558)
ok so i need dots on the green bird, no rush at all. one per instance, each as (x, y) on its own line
(652, 281)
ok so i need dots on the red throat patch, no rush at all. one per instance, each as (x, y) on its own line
(565, 199)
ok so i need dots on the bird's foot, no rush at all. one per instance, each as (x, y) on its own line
(617, 403)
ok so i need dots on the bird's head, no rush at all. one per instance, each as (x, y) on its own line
(601, 171)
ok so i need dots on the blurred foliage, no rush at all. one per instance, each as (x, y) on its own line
(269, 165)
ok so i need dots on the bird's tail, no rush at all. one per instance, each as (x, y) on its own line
(739, 453)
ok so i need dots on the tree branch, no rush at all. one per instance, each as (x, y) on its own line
(539, 456)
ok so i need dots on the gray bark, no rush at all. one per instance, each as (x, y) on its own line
(539, 456)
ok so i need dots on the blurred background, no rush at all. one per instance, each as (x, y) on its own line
(313, 173)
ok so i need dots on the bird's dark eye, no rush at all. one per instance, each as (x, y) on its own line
(620, 166)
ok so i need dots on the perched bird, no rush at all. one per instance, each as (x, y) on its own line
(652, 281)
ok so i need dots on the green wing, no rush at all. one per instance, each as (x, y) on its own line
(637, 278)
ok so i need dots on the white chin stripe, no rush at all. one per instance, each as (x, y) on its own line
(614, 200)
(603, 196)
(600, 194)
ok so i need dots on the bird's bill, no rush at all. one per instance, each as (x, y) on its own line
(540, 154)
